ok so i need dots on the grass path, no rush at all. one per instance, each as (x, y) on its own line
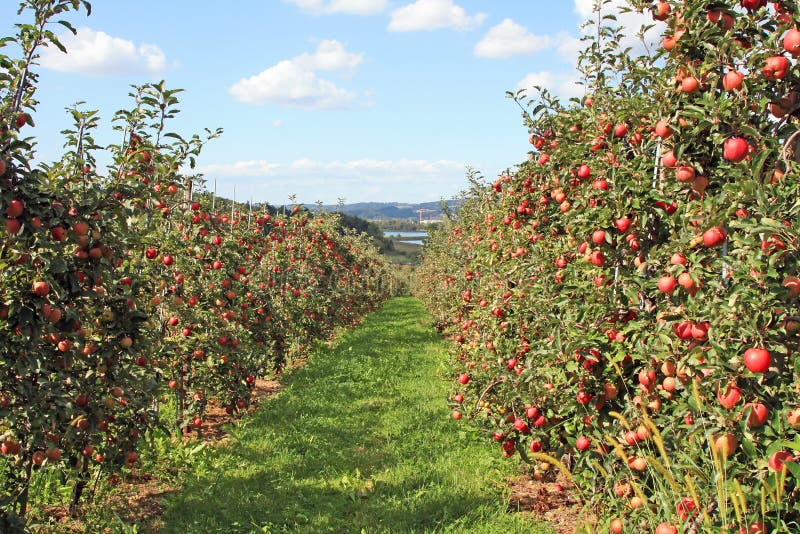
(359, 440)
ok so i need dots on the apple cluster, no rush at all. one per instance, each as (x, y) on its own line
(127, 291)
(624, 306)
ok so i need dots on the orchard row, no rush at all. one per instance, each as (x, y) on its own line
(625, 305)
(124, 293)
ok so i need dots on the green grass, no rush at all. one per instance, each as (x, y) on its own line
(359, 440)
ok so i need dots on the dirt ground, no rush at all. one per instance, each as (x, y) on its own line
(550, 499)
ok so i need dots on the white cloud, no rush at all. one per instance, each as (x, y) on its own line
(361, 168)
(357, 180)
(329, 55)
(433, 15)
(585, 8)
(630, 23)
(290, 84)
(510, 39)
(294, 82)
(563, 85)
(569, 47)
(96, 53)
(353, 7)
(277, 123)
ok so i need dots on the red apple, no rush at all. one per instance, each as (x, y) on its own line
(683, 330)
(685, 173)
(80, 228)
(663, 129)
(732, 81)
(779, 458)
(735, 149)
(661, 10)
(53, 454)
(13, 226)
(756, 413)
(686, 507)
(666, 284)
(58, 233)
(668, 159)
(731, 396)
(725, 444)
(713, 236)
(521, 426)
(754, 528)
(40, 288)
(757, 360)
(752, 5)
(775, 68)
(15, 208)
(10, 447)
(791, 42)
(678, 259)
(716, 16)
(690, 84)
(793, 418)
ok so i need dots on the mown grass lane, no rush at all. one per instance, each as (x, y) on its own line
(359, 440)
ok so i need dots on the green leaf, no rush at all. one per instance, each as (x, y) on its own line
(794, 469)
(68, 26)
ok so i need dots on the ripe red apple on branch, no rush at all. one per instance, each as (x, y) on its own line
(757, 360)
(41, 288)
(15, 208)
(735, 149)
(714, 236)
(775, 68)
(732, 81)
(791, 41)
(667, 284)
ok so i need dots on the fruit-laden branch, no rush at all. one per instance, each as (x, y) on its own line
(486, 392)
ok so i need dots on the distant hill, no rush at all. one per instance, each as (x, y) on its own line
(391, 210)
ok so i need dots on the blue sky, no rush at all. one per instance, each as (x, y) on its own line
(366, 100)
